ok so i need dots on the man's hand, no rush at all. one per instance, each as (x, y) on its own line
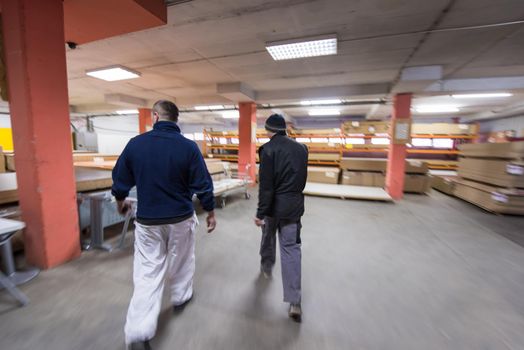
(123, 207)
(211, 221)
(259, 222)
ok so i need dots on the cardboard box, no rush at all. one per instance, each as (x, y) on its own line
(499, 172)
(443, 129)
(214, 166)
(491, 198)
(380, 165)
(325, 175)
(366, 127)
(504, 150)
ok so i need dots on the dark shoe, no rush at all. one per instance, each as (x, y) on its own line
(267, 273)
(142, 345)
(295, 312)
(180, 307)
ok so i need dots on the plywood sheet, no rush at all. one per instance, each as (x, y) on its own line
(505, 150)
(347, 191)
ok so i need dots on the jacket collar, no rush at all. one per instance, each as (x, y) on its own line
(164, 125)
(278, 134)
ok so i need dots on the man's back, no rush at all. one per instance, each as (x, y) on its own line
(167, 170)
(283, 175)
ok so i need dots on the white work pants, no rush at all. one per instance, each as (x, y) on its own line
(161, 252)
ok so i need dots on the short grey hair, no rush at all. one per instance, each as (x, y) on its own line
(166, 110)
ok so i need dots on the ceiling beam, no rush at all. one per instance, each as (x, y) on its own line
(345, 91)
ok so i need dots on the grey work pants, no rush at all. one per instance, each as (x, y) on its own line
(290, 254)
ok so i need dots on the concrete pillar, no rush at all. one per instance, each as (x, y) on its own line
(247, 128)
(145, 123)
(397, 152)
(39, 107)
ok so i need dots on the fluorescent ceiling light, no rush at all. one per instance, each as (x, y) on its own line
(127, 111)
(113, 73)
(321, 102)
(230, 114)
(300, 48)
(483, 95)
(436, 109)
(208, 108)
(317, 112)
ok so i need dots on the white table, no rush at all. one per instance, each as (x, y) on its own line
(12, 278)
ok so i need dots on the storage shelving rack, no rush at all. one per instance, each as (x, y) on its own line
(328, 146)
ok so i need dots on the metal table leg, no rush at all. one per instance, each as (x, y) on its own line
(16, 277)
(97, 226)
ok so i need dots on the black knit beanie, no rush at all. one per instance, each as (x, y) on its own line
(276, 123)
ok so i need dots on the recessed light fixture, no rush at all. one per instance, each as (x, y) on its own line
(484, 95)
(230, 114)
(318, 112)
(113, 73)
(127, 111)
(426, 109)
(320, 102)
(300, 48)
(208, 108)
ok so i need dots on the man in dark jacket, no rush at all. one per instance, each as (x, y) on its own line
(283, 174)
(167, 170)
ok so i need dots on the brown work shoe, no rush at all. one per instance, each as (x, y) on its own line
(295, 312)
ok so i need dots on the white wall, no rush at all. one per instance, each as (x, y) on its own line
(5, 121)
(514, 123)
(114, 132)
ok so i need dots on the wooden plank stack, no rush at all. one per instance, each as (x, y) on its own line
(492, 176)
(371, 172)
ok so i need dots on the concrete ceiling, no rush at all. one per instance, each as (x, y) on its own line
(208, 42)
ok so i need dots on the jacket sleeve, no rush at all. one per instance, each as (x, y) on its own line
(200, 182)
(123, 179)
(266, 188)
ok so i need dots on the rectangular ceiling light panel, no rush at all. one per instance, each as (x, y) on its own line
(127, 111)
(113, 73)
(301, 48)
(320, 112)
(208, 108)
(428, 109)
(320, 102)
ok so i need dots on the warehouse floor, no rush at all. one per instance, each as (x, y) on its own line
(431, 272)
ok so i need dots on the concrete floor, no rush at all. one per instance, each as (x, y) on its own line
(431, 272)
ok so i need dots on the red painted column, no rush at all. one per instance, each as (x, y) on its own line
(145, 123)
(247, 128)
(39, 108)
(397, 152)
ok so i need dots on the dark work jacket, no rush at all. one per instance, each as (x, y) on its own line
(167, 170)
(283, 175)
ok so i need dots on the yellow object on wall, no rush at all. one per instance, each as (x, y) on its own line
(6, 139)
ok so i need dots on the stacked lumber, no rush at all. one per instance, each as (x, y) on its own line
(86, 180)
(325, 175)
(93, 160)
(444, 181)
(371, 172)
(492, 176)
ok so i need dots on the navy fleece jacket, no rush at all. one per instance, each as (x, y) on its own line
(167, 170)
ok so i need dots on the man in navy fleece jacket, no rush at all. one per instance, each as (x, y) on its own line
(167, 169)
